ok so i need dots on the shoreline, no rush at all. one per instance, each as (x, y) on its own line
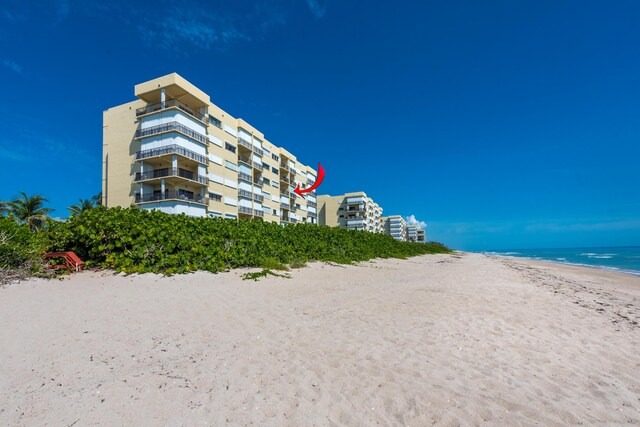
(450, 339)
(572, 264)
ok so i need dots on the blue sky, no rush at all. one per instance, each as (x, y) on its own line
(501, 124)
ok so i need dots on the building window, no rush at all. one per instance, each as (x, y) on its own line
(265, 194)
(215, 197)
(230, 216)
(215, 214)
(266, 181)
(265, 166)
(230, 165)
(230, 147)
(215, 122)
(266, 150)
(274, 157)
(274, 170)
(275, 212)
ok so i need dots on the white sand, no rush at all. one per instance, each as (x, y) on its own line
(436, 339)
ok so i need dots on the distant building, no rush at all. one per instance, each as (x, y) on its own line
(396, 227)
(352, 211)
(422, 236)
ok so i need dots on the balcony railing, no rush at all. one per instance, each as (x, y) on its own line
(258, 182)
(169, 172)
(285, 206)
(293, 220)
(171, 195)
(244, 193)
(258, 151)
(258, 197)
(170, 103)
(244, 142)
(284, 218)
(171, 149)
(169, 127)
(245, 176)
(285, 167)
(312, 214)
(258, 212)
(285, 179)
(312, 204)
(245, 210)
(245, 159)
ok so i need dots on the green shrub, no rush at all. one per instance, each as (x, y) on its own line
(136, 240)
(20, 250)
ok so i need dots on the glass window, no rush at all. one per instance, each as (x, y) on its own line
(230, 165)
(230, 147)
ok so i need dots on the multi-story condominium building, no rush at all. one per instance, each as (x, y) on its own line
(422, 237)
(396, 227)
(172, 149)
(412, 233)
(353, 211)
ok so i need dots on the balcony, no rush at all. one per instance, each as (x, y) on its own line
(285, 206)
(258, 151)
(169, 173)
(245, 159)
(245, 176)
(258, 198)
(259, 213)
(171, 149)
(285, 179)
(171, 127)
(244, 143)
(171, 103)
(258, 182)
(285, 167)
(171, 195)
(244, 210)
(284, 218)
(293, 220)
(312, 214)
(312, 204)
(244, 193)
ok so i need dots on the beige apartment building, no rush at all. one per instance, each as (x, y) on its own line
(396, 227)
(353, 211)
(173, 150)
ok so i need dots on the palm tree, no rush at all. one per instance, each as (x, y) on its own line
(97, 199)
(3, 207)
(85, 205)
(29, 210)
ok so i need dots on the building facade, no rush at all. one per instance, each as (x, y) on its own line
(396, 227)
(422, 236)
(172, 149)
(412, 233)
(353, 211)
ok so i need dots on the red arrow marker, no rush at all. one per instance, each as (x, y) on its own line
(300, 192)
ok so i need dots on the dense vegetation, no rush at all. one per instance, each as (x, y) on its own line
(137, 241)
(20, 250)
(134, 240)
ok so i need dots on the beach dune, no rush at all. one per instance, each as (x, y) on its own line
(437, 339)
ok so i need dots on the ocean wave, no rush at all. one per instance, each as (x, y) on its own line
(561, 259)
(601, 256)
(588, 254)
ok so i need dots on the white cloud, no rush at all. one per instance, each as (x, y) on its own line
(316, 9)
(12, 66)
(411, 220)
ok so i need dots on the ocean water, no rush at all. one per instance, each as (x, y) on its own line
(624, 259)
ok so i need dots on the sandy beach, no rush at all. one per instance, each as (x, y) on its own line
(459, 339)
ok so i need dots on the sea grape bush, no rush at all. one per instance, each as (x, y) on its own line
(134, 240)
